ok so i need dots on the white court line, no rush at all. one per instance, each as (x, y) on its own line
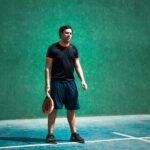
(65, 143)
(132, 137)
(69, 143)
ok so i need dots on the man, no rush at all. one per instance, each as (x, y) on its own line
(61, 60)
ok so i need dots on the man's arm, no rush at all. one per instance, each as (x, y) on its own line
(80, 74)
(48, 67)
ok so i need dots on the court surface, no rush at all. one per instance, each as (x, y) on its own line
(130, 132)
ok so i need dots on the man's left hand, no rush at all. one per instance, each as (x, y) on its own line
(84, 85)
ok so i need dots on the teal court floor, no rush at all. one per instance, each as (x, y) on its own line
(130, 132)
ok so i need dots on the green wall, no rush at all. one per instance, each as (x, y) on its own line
(113, 38)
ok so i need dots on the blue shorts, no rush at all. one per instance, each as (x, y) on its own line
(65, 93)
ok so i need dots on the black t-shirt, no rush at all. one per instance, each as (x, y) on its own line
(63, 61)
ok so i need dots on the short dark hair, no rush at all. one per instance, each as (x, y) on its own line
(63, 28)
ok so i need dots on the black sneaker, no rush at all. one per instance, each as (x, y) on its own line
(76, 138)
(50, 138)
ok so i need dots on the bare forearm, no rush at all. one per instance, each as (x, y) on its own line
(47, 77)
(80, 73)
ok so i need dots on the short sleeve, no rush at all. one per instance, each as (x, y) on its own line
(49, 54)
(76, 53)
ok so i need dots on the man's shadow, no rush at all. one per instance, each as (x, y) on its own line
(22, 139)
(28, 139)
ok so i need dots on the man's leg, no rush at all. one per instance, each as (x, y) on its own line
(72, 120)
(75, 137)
(51, 121)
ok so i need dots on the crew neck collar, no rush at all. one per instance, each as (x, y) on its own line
(63, 45)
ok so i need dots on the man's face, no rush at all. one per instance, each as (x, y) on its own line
(66, 35)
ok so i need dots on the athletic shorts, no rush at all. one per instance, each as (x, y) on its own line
(64, 93)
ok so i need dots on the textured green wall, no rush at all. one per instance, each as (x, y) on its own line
(113, 38)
